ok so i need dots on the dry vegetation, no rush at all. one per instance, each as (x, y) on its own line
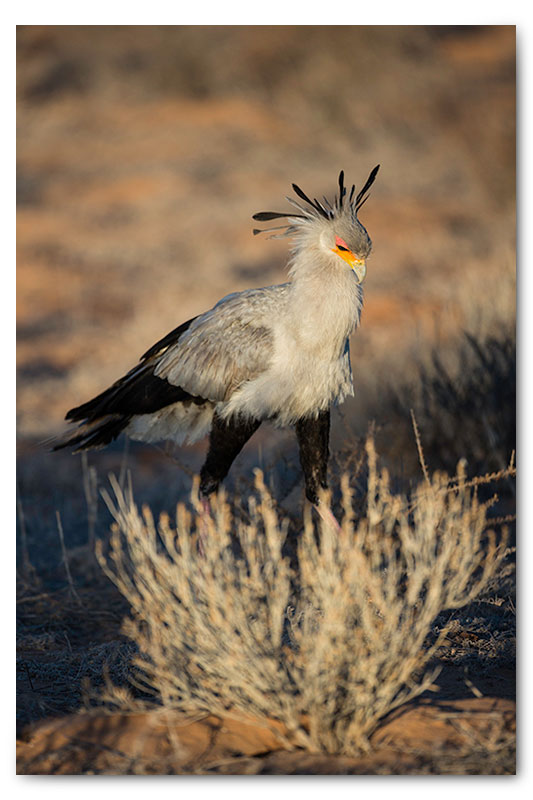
(304, 652)
(224, 626)
(138, 161)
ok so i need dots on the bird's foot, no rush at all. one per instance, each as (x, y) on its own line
(327, 516)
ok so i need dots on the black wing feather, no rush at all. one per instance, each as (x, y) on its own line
(103, 435)
(166, 341)
(140, 391)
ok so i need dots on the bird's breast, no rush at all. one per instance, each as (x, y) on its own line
(298, 383)
(309, 368)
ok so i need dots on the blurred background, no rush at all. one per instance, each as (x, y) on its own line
(143, 153)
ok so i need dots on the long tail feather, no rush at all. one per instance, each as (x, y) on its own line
(91, 436)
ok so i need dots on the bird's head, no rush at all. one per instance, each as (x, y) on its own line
(331, 231)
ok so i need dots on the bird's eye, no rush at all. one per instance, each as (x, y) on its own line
(341, 244)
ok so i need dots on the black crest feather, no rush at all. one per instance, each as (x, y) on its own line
(301, 194)
(265, 216)
(326, 209)
(313, 203)
(360, 199)
(342, 190)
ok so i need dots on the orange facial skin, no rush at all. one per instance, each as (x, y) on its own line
(346, 254)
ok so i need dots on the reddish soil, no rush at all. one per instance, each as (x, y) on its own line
(410, 741)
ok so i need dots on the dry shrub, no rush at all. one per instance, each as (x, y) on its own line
(467, 408)
(225, 626)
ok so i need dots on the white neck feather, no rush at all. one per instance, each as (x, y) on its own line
(326, 300)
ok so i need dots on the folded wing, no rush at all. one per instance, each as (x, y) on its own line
(223, 348)
(201, 362)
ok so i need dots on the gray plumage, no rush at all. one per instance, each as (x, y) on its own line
(225, 347)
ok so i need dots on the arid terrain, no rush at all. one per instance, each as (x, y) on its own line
(142, 154)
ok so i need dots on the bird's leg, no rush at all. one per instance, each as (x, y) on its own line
(226, 441)
(202, 531)
(313, 440)
(327, 515)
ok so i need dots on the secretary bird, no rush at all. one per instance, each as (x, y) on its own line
(280, 353)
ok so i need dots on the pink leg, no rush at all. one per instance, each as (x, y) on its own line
(202, 531)
(326, 514)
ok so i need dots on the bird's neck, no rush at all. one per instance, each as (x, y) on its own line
(326, 301)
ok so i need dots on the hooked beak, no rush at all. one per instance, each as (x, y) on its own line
(357, 264)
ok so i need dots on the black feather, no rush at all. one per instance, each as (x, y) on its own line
(266, 216)
(370, 180)
(361, 204)
(321, 208)
(170, 338)
(316, 205)
(302, 194)
(108, 414)
(342, 190)
(96, 438)
(141, 393)
(286, 227)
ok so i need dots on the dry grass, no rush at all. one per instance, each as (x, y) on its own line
(468, 409)
(329, 648)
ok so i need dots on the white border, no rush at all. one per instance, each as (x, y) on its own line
(275, 12)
